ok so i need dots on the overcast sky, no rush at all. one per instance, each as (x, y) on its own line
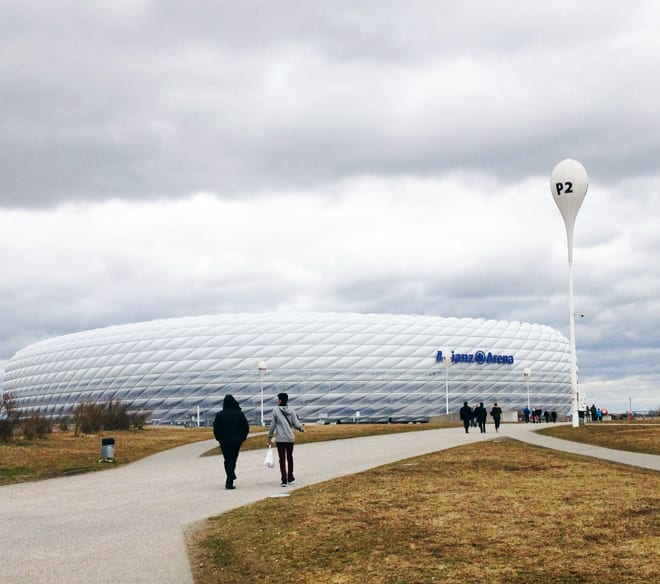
(170, 158)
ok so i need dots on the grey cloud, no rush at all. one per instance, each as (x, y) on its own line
(386, 29)
(160, 100)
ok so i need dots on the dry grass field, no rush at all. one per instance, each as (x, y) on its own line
(497, 511)
(633, 437)
(63, 454)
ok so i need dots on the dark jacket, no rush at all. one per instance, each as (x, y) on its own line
(466, 413)
(230, 424)
(496, 412)
(481, 413)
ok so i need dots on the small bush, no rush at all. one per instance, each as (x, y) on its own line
(115, 416)
(92, 417)
(36, 426)
(6, 430)
(88, 417)
(63, 423)
(139, 419)
(9, 416)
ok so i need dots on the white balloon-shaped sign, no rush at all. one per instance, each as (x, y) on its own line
(568, 184)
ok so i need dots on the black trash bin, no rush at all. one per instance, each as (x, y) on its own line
(107, 448)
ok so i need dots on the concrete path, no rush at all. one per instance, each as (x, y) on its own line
(126, 525)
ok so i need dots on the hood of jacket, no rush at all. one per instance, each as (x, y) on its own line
(230, 403)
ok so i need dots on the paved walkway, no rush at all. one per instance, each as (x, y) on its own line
(126, 525)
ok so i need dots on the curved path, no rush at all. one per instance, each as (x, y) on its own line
(126, 525)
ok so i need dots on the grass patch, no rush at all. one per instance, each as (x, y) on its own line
(644, 438)
(498, 511)
(63, 454)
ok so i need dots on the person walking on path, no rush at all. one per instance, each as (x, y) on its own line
(230, 429)
(283, 422)
(473, 420)
(538, 412)
(466, 415)
(481, 415)
(496, 413)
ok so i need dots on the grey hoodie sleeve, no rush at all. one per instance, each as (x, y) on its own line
(273, 425)
(295, 421)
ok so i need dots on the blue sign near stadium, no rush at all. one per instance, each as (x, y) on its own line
(478, 357)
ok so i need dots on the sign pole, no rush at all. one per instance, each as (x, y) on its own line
(262, 367)
(568, 185)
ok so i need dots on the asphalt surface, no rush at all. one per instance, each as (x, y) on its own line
(127, 525)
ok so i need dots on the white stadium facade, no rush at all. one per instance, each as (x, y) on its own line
(377, 367)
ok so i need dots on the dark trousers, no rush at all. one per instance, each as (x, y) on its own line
(230, 452)
(466, 425)
(497, 423)
(285, 454)
(482, 426)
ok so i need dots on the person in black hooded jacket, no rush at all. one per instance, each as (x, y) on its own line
(482, 415)
(230, 428)
(466, 414)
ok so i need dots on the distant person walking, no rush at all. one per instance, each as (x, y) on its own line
(553, 415)
(466, 415)
(283, 422)
(496, 413)
(481, 415)
(526, 413)
(473, 420)
(230, 428)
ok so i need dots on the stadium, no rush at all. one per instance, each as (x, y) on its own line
(335, 367)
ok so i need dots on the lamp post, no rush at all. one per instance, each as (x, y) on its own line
(446, 360)
(262, 371)
(568, 185)
(527, 372)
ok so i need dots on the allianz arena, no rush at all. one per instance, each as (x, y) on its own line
(334, 366)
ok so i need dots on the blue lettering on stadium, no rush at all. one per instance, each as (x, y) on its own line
(479, 357)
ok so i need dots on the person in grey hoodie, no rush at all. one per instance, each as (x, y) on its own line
(283, 422)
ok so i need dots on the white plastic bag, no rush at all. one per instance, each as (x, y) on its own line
(269, 461)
